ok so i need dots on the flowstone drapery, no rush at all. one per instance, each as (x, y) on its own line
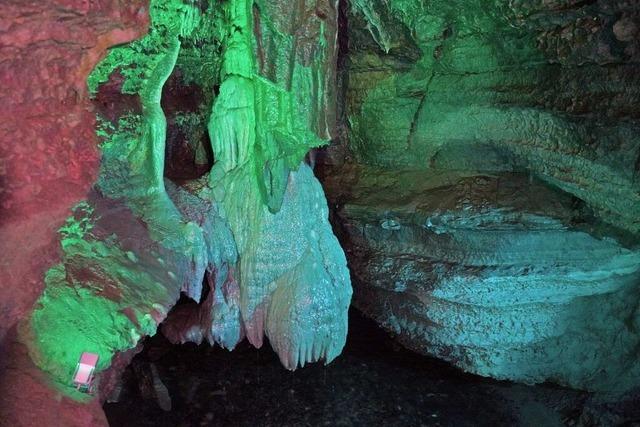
(256, 224)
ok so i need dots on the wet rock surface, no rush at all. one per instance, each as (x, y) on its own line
(375, 382)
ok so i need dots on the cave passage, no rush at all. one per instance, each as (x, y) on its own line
(471, 227)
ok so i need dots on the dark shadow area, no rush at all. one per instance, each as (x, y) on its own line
(188, 153)
(111, 104)
(374, 382)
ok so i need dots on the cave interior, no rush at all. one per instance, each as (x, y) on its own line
(296, 212)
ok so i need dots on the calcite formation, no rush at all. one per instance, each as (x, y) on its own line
(484, 180)
(257, 223)
(489, 199)
(241, 210)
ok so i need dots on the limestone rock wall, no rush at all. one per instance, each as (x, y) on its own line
(548, 87)
(48, 148)
(487, 186)
(496, 273)
(49, 160)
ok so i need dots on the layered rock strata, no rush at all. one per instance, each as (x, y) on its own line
(496, 273)
(455, 115)
(547, 87)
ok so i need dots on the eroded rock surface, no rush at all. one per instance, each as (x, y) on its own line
(48, 147)
(255, 220)
(498, 274)
(487, 146)
(48, 161)
(550, 87)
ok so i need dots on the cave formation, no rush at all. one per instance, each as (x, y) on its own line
(221, 172)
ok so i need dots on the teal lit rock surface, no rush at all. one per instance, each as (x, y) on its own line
(500, 275)
(487, 186)
(548, 87)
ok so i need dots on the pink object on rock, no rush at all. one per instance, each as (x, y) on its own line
(84, 372)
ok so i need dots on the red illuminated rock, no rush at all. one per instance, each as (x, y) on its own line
(48, 161)
(48, 148)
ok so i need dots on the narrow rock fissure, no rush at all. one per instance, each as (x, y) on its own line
(188, 152)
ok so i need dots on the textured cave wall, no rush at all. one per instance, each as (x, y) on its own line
(48, 161)
(549, 87)
(48, 148)
(487, 189)
(202, 126)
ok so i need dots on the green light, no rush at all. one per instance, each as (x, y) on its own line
(266, 216)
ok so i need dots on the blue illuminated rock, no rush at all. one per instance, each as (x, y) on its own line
(498, 274)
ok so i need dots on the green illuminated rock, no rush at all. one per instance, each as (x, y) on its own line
(256, 223)
(294, 283)
(493, 210)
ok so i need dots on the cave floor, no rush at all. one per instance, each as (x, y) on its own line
(374, 382)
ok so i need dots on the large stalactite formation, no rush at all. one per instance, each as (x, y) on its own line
(483, 174)
(255, 224)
